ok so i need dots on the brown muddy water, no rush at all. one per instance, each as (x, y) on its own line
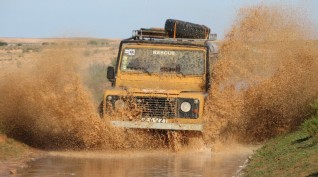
(138, 164)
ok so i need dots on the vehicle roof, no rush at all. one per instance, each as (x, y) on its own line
(206, 43)
(170, 41)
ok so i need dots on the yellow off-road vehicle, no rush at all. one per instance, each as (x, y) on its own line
(161, 78)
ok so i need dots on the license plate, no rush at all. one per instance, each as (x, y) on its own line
(155, 120)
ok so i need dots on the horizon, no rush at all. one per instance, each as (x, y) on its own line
(116, 20)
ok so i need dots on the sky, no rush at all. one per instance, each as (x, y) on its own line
(117, 18)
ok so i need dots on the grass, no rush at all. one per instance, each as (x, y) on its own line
(32, 48)
(11, 149)
(293, 154)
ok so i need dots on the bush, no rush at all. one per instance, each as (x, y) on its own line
(104, 43)
(311, 125)
(31, 49)
(314, 107)
(3, 43)
(92, 42)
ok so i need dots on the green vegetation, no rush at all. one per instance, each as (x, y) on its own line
(294, 154)
(3, 43)
(311, 125)
(100, 42)
(104, 43)
(92, 42)
(33, 48)
(11, 149)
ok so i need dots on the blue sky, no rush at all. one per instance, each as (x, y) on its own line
(117, 18)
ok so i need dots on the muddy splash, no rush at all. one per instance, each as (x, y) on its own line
(263, 82)
(266, 76)
(45, 104)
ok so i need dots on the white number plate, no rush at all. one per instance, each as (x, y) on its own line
(156, 120)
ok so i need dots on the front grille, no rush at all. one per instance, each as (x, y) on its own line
(157, 107)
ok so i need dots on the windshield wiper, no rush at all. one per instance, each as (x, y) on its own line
(178, 70)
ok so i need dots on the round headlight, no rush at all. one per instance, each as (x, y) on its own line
(119, 104)
(109, 98)
(185, 106)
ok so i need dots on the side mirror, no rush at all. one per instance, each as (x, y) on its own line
(110, 73)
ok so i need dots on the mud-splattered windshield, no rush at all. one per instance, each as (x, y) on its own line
(154, 60)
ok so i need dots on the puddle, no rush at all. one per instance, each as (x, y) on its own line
(154, 164)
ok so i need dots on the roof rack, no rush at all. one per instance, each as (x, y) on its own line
(160, 33)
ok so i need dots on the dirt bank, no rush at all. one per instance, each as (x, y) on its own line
(15, 155)
(294, 154)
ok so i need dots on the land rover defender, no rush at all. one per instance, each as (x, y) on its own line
(161, 78)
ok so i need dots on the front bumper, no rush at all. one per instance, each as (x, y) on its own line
(153, 125)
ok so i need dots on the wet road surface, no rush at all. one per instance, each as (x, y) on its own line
(154, 164)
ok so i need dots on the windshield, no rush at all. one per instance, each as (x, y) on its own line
(155, 60)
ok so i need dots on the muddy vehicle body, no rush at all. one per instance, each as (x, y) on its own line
(159, 82)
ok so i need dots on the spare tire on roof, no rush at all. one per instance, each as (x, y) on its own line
(182, 29)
